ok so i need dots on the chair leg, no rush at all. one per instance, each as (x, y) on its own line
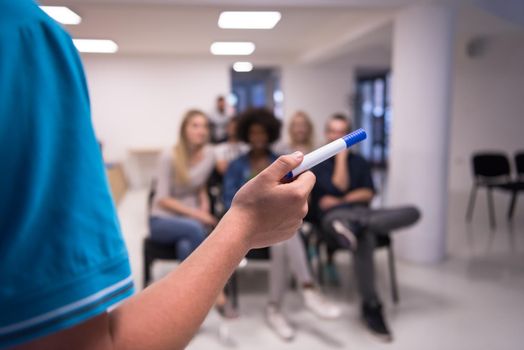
(393, 274)
(471, 204)
(148, 262)
(512, 204)
(234, 290)
(320, 265)
(492, 222)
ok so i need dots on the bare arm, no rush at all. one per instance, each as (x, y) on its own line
(359, 195)
(203, 197)
(340, 178)
(221, 166)
(167, 314)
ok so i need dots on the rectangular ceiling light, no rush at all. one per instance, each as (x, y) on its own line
(232, 48)
(243, 67)
(95, 45)
(248, 19)
(62, 14)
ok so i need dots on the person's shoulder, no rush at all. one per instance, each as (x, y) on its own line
(244, 148)
(239, 162)
(273, 156)
(219, 148)
(209, 150)
(281, 147)
(21, 12)
(357, 158)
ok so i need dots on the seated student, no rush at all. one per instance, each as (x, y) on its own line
(231, 149)
(345, 181)
(181, 210)
(259, 128)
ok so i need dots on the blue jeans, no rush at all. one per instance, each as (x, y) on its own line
(186, 234)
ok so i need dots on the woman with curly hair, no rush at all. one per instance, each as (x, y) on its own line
(259, 129)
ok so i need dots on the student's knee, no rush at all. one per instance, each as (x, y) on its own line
(184, 248)
(199, 232)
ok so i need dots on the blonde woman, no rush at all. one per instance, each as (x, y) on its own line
(180, 212)
(300, 135)
(181, 208)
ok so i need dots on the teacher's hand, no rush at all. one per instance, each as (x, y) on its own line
(268, 210)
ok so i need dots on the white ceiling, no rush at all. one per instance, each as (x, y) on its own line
(309, 30)
(256, 3)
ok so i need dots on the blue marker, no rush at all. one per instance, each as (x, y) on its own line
(326, 152)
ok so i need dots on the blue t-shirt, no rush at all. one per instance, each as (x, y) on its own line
(62, 257)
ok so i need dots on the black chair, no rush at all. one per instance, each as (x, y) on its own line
(518, 185)
(232, 285)
(492, 171)
(519, 165)
(154, 250)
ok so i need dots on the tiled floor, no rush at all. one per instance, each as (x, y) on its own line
(473, 300)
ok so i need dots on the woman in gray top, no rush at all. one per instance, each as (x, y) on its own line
(181, 209)
(180, 212)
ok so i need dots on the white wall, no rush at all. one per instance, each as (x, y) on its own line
(488, 104)
(139, 101)
(326, 88)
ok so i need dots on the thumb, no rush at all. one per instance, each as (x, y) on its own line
(283, 165)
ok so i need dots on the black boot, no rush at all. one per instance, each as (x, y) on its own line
(374, 321)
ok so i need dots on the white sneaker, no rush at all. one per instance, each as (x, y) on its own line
(343, 230)
(319, 305)
(278, 323)
(225, 337)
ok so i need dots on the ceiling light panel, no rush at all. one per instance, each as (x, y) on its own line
(248, 19)
(232, 48)
(95, 45)
(62, 14)
(242, 67)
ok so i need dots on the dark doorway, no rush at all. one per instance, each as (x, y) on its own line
(373, 113)
(257, 88)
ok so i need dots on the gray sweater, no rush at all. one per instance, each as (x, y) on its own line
(188, 193)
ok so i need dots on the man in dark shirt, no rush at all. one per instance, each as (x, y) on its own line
(345, 181)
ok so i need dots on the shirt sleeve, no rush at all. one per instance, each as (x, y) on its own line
(219, 152)
(163, 176)
(62, 256)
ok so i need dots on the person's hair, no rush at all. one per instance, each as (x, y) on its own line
(341, 117)
(181, 149)
(259, 116)
(221, 98)
(310, 135)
